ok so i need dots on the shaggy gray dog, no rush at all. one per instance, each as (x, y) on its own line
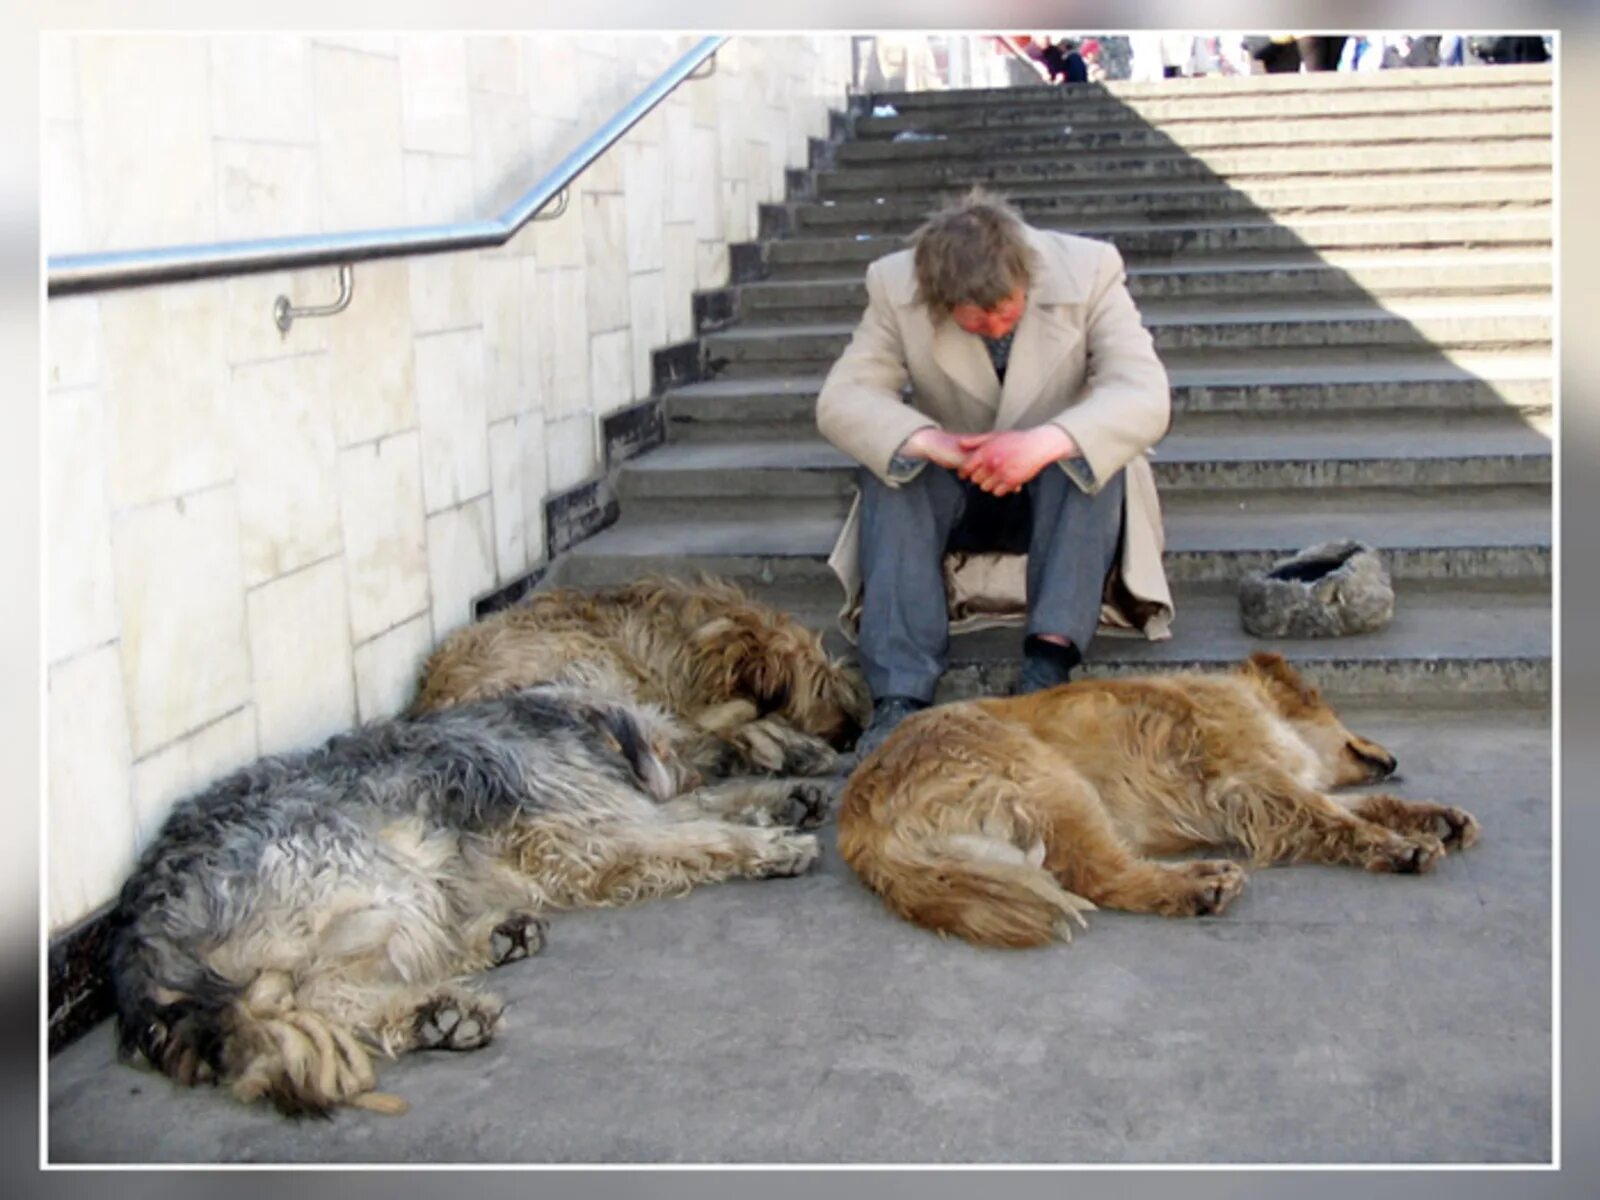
(309, 908)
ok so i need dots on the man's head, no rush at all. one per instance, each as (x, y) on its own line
(974, 264)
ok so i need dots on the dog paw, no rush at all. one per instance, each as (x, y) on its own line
(1455, 828)
(1216, 883)
(1411, 854)
(516, 938)
(808, 804)
(453, 1022)
(791, 854)
(810, 757)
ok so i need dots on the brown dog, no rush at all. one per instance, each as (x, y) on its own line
(1003, 820)
(756, 686)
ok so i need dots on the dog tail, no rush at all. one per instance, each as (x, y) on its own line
(975, 885)
(195, 1026)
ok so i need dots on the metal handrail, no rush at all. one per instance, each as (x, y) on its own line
(71, 273)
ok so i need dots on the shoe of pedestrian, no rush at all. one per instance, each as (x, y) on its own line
(886, 714)
(1045, 665)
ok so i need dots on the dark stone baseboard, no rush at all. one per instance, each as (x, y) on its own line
(633, 430)
(79, 982)
(675, 365)
(715, 309)
(747, 262)
(578, 513)
(511, 594)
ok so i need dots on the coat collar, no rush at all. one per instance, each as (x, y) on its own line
(1045, 335)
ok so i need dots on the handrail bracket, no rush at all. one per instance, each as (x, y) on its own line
(285, 313)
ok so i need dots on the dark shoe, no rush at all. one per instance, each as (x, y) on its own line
(886, 714)
(1045, 665)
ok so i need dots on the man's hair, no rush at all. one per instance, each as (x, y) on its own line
(975, 251)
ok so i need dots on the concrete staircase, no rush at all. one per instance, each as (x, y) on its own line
(1349, 279)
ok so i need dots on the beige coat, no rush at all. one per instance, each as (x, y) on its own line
(1081, 359)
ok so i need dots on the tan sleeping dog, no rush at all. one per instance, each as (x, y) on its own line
(1003, 820)
(755, 687)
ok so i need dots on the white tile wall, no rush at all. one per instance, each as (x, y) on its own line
(166, 385)
(647, 326)
(62, 222)
(82, 601)
(256, 538)
(358, 136)
(72, 340)
(510, 335)
(434, 112)
(453, 418)
(444, 287)
(460, 562)
(186, 766)
(534, 472)
(503, 163)
(371, 367)
(610, 370)
(705, 181)
(88, 786)
(494, 64)
(551, 71)
(711, 263)
(388, 667)
(261, 88)
(645, 186)
(570, 451)
(288, 477)
(385, 537)
(58, 77)
(266, 190)
(561, 298)
(605, 231)
(252, 335)
(145, 101)
(510, 509)
(180, 593)
(300, 647)
(680, 279)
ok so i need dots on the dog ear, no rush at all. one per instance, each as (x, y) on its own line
(1293, 691)
(747, 660)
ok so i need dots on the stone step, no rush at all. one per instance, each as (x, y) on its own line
(1195, 328)
(1289, 192)
(1452, 191)
(785, 405)
(1444, 272)
(1435, 644)
(1235, 452)
(1169, 111)
(1488, 83)
(1176, 242)
(1478, 533)
(1096, 168)
(1335, 135)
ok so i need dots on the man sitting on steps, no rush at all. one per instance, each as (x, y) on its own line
(999, 393)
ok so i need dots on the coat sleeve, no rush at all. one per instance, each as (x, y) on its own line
(1126, 403)
(861, 408)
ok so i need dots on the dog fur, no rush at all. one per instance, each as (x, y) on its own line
(754, 687)
(308, 910)
(1004, 820)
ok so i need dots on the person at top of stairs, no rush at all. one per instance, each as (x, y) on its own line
(999, 393)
